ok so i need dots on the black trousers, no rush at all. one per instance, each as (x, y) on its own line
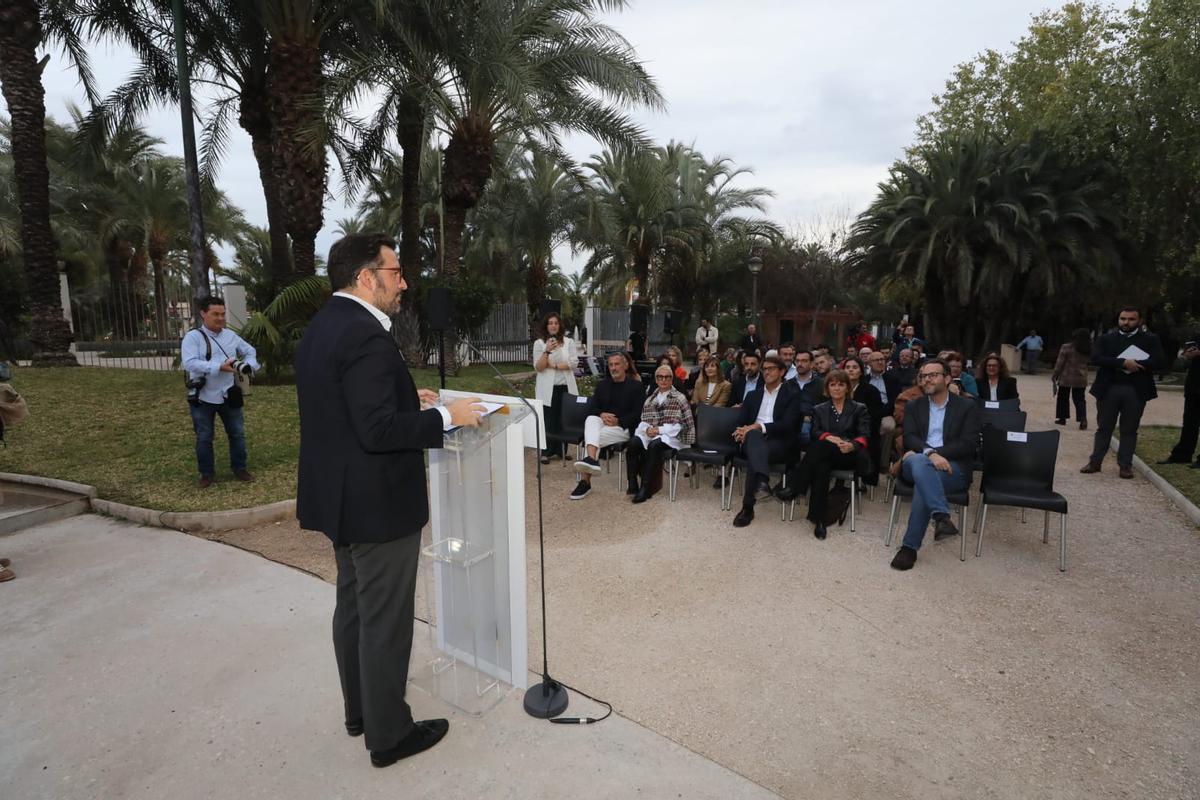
(1119, 401)
(814, 475)
(553, 420)
(1191, 429)
(372, 635)
(1067, 395)
(642, 462)
(760, 452)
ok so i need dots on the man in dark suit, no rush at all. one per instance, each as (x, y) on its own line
(362, 484)
(752, 342)
(1122, 387)
(745, 384)
(941, 433)
(767, 431)
(1190, 433)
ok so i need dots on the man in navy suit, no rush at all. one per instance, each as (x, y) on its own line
(363, 429)
(768, 431)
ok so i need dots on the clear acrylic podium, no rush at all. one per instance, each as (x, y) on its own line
(473, 571)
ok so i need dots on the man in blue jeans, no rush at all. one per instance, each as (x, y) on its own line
(941, 433)
(213, 354)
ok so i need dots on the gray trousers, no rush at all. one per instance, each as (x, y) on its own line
(1119, 401)
(372, 635)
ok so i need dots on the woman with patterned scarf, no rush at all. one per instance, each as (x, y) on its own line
(667, 424)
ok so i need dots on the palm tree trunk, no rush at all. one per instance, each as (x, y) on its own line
(160, 295)
(21, 82)
(255, 121)
(294, 80)
(410, 133)
(535, 291)
(455, 222)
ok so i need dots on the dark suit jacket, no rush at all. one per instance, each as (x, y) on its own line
(739, 389)
(1106, 356)
(1006, 389)
(854, 425)
(362, 431)
(788, 413)
(868, 396)
(960, 430)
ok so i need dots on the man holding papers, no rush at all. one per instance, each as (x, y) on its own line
(1127, 358)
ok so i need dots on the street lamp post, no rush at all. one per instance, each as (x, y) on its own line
(755, 265)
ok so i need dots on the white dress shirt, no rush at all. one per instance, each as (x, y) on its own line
(386, 322)
(766, 411)
(668, 432)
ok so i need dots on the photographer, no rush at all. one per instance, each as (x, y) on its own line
(213, 357)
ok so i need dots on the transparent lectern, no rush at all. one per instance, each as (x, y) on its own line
(474, 567)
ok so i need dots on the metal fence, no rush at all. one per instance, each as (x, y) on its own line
(612, 329)
(503, 338)
(131, 325)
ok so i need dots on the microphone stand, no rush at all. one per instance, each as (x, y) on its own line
(548, 698)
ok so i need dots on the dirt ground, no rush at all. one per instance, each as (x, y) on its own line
(817, 671)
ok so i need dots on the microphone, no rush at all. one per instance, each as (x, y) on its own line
(548, 698)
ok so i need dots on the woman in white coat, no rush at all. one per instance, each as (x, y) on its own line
(554, 357)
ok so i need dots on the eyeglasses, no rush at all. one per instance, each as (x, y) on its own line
(387, 269)
(662, 377)
(925, 376)
(770, 367)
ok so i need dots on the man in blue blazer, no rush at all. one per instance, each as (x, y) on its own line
(768, 431)
(363, 429)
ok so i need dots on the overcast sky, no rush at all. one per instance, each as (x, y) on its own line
(817, 98)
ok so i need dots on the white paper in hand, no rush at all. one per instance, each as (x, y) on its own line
(1133, 352)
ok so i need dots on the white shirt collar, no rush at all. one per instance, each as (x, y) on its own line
(383, 318)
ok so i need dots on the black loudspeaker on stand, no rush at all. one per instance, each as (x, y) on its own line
(549, 306)
(639, 318)
(548, 698)
(439, 308)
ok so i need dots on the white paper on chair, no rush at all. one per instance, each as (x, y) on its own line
(581, 399)
(710, 452)
(1018, 436)
(991, 404)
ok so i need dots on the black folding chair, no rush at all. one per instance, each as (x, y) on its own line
(962, 499)
(571, 418)
(740, 464)
(1018, 471)
(1004, 420)
(714, 445)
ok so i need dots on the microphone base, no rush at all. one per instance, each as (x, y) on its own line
(546, 699)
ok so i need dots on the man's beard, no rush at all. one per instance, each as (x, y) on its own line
(386, 304)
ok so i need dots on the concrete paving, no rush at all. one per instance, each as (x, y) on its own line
(144, 663)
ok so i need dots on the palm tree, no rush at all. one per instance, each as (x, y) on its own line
(24, 27)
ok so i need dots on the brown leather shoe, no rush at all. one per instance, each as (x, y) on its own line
(7, 574)
(244, 476)
(5, 562)
(205, 481)
(1090, 467)
(1126, 472)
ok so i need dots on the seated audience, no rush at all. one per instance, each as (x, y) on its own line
(711, 387)
(906, 372)
(666, 425)
(676, 355)
(787, 352)
(767, 431)
(694, 373)
(887, 384)
(993, 380)
(840, 440)
(941, 434)
(613, 411)
(823, 362)
(728, 363)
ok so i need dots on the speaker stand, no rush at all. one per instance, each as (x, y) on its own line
(442, 357)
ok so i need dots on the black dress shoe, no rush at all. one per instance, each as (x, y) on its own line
(1060, 422)
(819, 530)
(354, 727)
(905, 558)
(631, 489)
(641, 497)
(424, 735)
(943, 528)
(1172, 460)
(744, 517)
(787, 493)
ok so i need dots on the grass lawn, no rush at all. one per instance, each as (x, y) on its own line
(1155, 442)
(128, 433)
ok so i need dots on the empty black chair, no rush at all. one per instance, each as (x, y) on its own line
(740, 464)
(1004, 420)
(999, 405)
(1018, 471)
(962, 499)
(714, 444)
(574, 411)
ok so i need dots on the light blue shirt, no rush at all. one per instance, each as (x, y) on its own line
(937, 424)
(1031, 343)
(880, 386)
(751, 385)
(223, 346)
